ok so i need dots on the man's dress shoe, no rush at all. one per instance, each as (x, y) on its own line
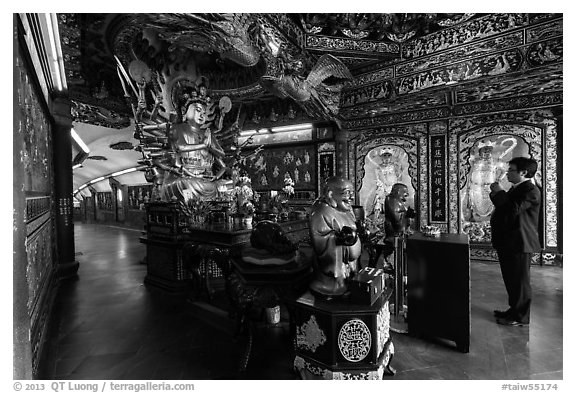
(509, 322)
(502, 314)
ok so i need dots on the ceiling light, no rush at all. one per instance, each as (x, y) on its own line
(292, 127)
(97, 180)
(123, 172)
(247, 132)
(57, 59)
(79, 141)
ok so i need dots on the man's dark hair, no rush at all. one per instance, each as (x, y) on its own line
(525, 164)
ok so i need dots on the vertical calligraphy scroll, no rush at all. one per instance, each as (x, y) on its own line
(438, 174)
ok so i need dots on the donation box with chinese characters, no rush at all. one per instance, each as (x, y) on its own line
(341, 339)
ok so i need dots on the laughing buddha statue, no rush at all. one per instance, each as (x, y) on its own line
(333, 232)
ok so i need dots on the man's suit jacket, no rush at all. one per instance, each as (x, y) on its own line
(515, 218)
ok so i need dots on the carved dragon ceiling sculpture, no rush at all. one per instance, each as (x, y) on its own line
(295, 60)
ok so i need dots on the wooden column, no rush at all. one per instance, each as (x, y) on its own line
(67, 265)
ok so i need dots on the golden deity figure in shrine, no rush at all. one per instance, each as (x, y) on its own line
(388, 173)
(485, 170)
(196, 151)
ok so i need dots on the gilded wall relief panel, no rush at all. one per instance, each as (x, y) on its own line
(401, 104)
(409, 140)
(512, 103)
(36, 206)
(353, 61)
(348, 44)
(269, 169)
(371, 77)
(534, 18)
(396, 118)
(473, 30)
(507, 41)
(514, 134)
(550, 176)
(549, 51)
(36, 133)
(494, 64)
(96, 115)
(378, 91)
(70, 32)
(544, 31)
(39, 264)
(529, 83)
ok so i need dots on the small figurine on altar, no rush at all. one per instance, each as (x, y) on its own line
(397, 214)
(333, 232)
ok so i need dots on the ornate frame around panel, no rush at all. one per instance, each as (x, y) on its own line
(413, 139)
(325, 149)
(539, 126)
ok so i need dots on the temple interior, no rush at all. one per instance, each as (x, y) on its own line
(207, 196)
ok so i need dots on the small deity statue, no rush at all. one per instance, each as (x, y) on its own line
(485, 170)
(333, 232)
(397, 213)
(397, 216)
(196, 152)
(388, 173)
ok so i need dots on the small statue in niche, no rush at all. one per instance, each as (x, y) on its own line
(388, 173)
(485, 170)
(334, 238)
(397, 220)
(397, 214)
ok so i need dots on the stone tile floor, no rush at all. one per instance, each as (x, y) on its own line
(107, 324)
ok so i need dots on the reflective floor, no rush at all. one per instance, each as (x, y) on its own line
(108, 325)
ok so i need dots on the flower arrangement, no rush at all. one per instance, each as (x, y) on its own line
(244, 196)
(288, 188)
(279, 202)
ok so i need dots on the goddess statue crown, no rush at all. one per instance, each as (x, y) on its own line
(194, 94)
(386, 150)
(488, 143)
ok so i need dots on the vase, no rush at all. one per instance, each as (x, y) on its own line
(238, 220)
(247, 222)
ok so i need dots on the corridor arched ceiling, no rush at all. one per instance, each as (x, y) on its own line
(385, 65)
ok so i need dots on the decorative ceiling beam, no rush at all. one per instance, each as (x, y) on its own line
(348, 46)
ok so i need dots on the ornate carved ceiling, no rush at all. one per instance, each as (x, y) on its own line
(294, 66)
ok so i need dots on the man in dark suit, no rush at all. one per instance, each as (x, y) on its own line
(514, 225)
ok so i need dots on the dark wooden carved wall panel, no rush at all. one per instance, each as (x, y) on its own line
(529, 133)
(33, 144)
(409, 145)
(507, 91)
(273, 164)
(488, 63)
